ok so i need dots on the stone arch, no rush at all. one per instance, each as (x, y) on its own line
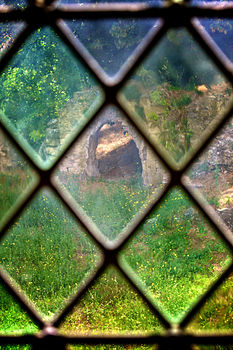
(110, 117)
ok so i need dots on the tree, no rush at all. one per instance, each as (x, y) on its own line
(37, 84)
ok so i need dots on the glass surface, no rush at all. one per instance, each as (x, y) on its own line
(12, 318)
(216, 314)
(16, 178)
(111, 306)
(46, 96)
(112, 173)
(175, 255)
(177, 96)
(48, 254)
(14, 3)
(111, 42)
(8, 32)
(221, 31)
(211, 176)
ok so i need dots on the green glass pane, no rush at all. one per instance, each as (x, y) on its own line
(13, 319)
(177, 96)
(175, 255)
(48, 254)
(46, 96)
(216, 314)
(211, 176)
(112, 173)
(111, 306)
(8, 32)
(221, 31)
(111, 42)
(17, 178)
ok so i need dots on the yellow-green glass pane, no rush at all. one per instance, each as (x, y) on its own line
(216, 315)
(177, 95)
(111, 306)
(175, 255)
(111, 173)
(48, 254)
(13, 319)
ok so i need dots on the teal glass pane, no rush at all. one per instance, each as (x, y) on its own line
(211, 175)
(175, 255)
(111, 173)
(111, 306)
(8, 32)
(17, 178)
(46, 96)
(48, 254)
(12, 318)
(111, 42)
(177, 96)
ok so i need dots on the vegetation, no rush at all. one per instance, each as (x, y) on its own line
(174, 254)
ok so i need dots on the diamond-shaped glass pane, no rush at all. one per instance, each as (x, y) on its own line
(212, 175)
(111, 42)
(8, 33)
(221, 31)
(12, 318)
(46, 96)
(112, 173)
(177, 96)
(16, 177)
(175, 255)
(111, 306)
(216, 314)
(48, 254)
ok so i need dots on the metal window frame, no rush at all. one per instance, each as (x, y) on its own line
(41, 13)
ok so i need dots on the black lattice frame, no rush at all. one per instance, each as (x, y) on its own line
(174, 14)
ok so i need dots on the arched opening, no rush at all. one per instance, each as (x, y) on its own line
(113, 152)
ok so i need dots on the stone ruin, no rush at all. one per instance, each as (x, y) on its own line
(126, 156)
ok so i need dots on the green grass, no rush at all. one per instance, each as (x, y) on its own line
(111, 205)
(175, 255)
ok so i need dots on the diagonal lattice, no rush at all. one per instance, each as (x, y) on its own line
(176, 255)
(115, 309)
(112, 173)
(48, 254)
(177, 95)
